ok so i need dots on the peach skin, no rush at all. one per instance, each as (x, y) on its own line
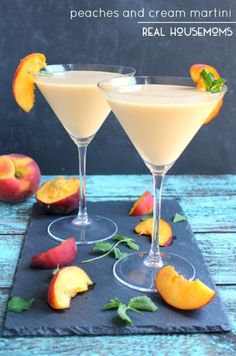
(19, 177)
(60, 255)
(143, 205)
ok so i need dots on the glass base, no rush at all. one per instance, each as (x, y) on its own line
(133, 273)
(97, 228)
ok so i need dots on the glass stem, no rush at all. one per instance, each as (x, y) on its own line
(82, 217)
(153, 260)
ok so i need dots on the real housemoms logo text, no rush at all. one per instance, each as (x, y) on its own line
(213, 22)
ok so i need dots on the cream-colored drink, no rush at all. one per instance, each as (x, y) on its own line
(76, 100)
(161, 120)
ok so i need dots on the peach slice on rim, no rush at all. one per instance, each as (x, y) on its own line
(195, 72)
(23, 82)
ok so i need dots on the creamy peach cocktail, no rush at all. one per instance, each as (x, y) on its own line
(161, 120)
(76, 100)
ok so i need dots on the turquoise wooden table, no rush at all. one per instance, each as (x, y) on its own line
(209, 203)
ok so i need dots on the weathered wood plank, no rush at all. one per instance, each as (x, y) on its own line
(181, 185)
(9, 254)
(196, 344)
(3, 301)
(201, 198)
(208, 214)
(219, 251)
(14, 217)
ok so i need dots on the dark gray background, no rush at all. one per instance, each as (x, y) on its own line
(44, 26)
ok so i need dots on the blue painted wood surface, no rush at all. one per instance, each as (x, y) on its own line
(210, 205)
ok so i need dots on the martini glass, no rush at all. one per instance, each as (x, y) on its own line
(71, 91)
(160, 115)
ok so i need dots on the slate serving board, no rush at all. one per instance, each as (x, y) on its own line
(85, 316)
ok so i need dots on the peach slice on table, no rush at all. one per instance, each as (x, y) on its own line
(180, 292)
(65, 284)
(166, 233)
(195, 72)
(23, 82)
(19, 177)
(60, 255)
(143, 205)
(59, 196)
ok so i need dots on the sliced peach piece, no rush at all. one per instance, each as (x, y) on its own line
(65, 284)
(56, 256)
(145, 228)
(59, 196)
(143, 205)
(215, 112)
(195, 72)
(23, 82)
(180, 292)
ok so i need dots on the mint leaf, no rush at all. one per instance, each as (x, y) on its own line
(129, 242)
(122, 238)
(212, 85)
(208, 78)
(112, 304)
(118, 254)
(18, 304)
(135, 304)
(142, 303)
(178, 218)
(217, 85)
(132, 245)
(112, 249)
(122, 313)
(102, 246)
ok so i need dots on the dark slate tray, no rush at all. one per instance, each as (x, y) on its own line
(85, 316)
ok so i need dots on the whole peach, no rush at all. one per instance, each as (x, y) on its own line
(19, 177)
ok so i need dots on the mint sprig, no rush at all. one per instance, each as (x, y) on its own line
(212, 85)
(19, 304)
(136, 304)
(112, 249)
(128, 241)
(178, 218)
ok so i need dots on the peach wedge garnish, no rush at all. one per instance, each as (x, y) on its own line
(180, 292)
(195, 72)
(23, 82)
